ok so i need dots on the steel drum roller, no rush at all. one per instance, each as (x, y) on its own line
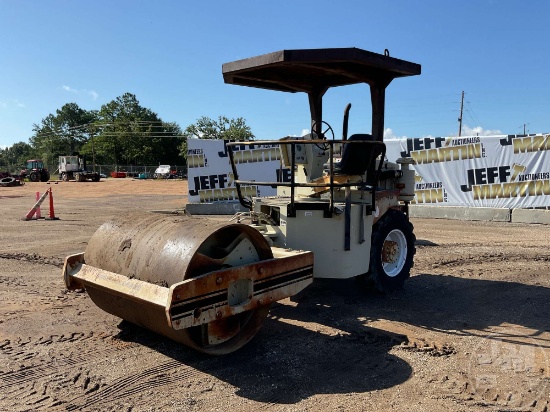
(164, 251)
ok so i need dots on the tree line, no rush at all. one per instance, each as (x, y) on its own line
(120, 132)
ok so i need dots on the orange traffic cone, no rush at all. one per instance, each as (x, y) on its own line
(52, 212)
(38, 213)
(33, 210)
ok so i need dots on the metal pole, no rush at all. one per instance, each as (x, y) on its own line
(93, 147)
(460, 118)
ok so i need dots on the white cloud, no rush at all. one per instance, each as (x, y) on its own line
(466, 131)
(478, 131)
(12, 103)
(69, 89)
(389, 134)
(91, 93)
(301, 134)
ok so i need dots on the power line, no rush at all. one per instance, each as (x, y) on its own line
(89, 128)
(471, 110)
(524, 128)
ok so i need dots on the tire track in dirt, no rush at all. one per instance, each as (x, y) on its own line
(460, 389)
(488, 258)
(172, 372)
(12, 349)
(33, 258)
(480, 385)
(44, 385)
(34, 372)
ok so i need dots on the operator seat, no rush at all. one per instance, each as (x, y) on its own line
(357, 158)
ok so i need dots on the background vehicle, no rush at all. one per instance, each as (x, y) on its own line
(35, 171)
(209, 284)
(163, 171)
(144, 175)
(74, 168)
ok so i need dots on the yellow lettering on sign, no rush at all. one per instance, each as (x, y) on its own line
(429, 196)
(229, 193)
(531, 144)
(512, 189)
(448, 154)
(196, 160)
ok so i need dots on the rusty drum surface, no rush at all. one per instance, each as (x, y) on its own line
(163, 251)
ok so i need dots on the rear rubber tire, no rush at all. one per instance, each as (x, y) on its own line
(7, 181)
(392, 252)
(44, 176)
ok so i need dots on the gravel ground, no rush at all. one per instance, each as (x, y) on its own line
(470, 331)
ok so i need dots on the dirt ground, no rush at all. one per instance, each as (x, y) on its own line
(470, 331)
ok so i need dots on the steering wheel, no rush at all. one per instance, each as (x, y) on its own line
(327, 129)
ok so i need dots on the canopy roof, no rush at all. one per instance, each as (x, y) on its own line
(312, 70)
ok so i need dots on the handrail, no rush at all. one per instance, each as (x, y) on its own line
(292, 184)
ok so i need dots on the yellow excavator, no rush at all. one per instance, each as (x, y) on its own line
(209, 284)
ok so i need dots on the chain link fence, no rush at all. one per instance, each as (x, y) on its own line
(107, 169)
(134, 171)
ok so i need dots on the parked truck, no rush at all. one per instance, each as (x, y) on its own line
(74, 168)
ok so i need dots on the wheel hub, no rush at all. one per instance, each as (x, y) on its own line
(390, 251)
(394, 252)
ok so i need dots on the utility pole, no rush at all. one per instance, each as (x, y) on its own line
(93, 147)
(460, 118)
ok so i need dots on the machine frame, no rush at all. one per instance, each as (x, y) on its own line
(209, 284)
(332, 214)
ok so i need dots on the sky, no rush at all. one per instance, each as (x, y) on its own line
(169, 54)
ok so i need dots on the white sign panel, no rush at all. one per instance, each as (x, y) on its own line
(210, 175)
(478, 171)
(484, 171)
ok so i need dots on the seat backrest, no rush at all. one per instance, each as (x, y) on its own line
(356, 158)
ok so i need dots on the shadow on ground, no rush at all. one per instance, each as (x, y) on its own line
(286, 363)
(436, 302)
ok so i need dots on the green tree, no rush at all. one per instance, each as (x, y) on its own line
(61, 134)
(126, 132)
(223, 129)
(122, 131)
(46, 141)
(15, 156)
(71, 123)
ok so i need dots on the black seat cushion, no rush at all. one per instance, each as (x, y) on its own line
(356, 158)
